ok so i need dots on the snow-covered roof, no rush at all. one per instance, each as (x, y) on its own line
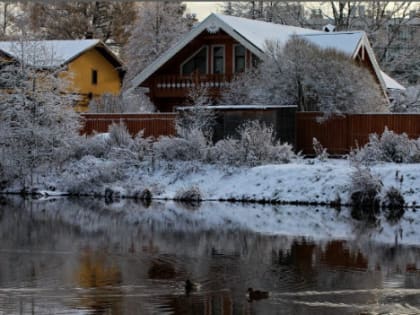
(51, 53)
(346, 42)
(391, 83)
(259, 32)
(254, 34)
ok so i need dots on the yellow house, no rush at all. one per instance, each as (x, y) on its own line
(89, 66)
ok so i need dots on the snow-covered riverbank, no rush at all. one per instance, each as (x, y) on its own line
(302, 181)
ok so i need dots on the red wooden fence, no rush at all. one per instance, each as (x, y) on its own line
(155, 125)
(337, 134)
(340, 134)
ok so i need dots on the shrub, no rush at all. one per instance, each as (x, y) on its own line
(193, 147)
(141, 147)
(388, 147)
(256, 145)
(320, 152)
(96, 145)
(188, 194)
(119, 135)
(364, 194)
(393, 204)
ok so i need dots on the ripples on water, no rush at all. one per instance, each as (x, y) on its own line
(84, 257)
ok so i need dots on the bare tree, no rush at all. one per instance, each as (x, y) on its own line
(74, 20)
(158, 26)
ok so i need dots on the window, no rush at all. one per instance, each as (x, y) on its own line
(239, 58)
(218, 60)
(94, 77)
(196, 63)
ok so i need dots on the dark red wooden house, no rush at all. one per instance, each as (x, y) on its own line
(222, 46)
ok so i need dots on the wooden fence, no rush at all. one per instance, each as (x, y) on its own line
(155, 125)
(337, 134)
(340, 134)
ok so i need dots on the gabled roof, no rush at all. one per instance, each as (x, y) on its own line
(254, 34)
(53, 53)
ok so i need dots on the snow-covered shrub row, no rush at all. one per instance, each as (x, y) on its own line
(255, 145)
(388, 147)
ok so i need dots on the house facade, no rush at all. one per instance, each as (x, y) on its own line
(222, 46)
(89, 66)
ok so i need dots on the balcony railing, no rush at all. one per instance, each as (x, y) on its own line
(191, 81)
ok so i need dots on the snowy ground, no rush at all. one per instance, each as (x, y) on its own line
(302, 181)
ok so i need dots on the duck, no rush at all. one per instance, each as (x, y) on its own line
(191, 286)
(255, 295)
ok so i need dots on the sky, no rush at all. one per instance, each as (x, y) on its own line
(203, 8)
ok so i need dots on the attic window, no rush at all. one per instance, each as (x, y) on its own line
(94, 77)
(196, 63)
(218, 59)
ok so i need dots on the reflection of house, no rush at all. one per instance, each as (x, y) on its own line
(90, 65)
(222, 46)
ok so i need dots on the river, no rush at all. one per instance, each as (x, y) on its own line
(83, 256)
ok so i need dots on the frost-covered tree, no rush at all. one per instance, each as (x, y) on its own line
(158, 25)
(198, 116)
(315, 79)
(282, 12)
(38, 123)
(406, 101)
(105, 20)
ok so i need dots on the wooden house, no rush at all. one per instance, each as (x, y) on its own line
(221, 46)
(89, 66)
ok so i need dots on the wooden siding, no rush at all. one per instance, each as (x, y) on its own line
(154, 125)
(168, 88)
(340, 134)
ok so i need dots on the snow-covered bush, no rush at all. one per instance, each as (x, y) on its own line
(256, 145)
(95, 145)
(119, 135)
(188, 194)
(393, 204)
(320, 152)
(364, 194)
(193, 147)
(141, 146)
(89, 173)
(388, 147)
(226, 152)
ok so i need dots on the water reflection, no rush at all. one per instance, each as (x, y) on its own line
(81, 256)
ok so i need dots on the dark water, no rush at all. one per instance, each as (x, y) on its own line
(85, 257)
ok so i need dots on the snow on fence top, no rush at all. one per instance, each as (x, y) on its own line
(238, 107)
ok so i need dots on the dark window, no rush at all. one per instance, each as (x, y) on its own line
(239, 58)
(94, 77)
(218, 60)
(197, 63)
